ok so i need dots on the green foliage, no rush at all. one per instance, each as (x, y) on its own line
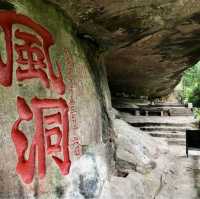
(191, 85)
(197, 113)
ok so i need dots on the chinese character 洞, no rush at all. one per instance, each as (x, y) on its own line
(32, 53)
(46, 126)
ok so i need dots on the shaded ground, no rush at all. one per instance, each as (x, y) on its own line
(187, 180)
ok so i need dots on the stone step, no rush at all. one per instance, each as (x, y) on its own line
(166, 134)
(181, 142)
(174, 141)
(180, 112)
(165, 108)
(157, 111)
(188, 120)
(130, 103)
(171, 105)
(164, 128)
(144, 124)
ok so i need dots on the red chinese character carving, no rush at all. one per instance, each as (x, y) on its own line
(42, 137)
(76, 145)
(37, 53)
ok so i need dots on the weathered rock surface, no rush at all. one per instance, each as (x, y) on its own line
(134, 147)
(147, 43)
(137, 39)
(145, 168)
(86, 95)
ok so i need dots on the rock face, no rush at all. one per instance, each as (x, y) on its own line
(42, 37)
(52, 79)
(147, 43)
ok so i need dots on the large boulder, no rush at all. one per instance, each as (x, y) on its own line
(144, 167)
(136, 150)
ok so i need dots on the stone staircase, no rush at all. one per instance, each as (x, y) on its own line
(163, 121)
(173, 133)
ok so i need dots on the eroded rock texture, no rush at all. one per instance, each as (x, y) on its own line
(86, 94)
(148, 43)
(145, 45)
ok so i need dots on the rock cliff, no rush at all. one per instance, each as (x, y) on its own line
(147, 43)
